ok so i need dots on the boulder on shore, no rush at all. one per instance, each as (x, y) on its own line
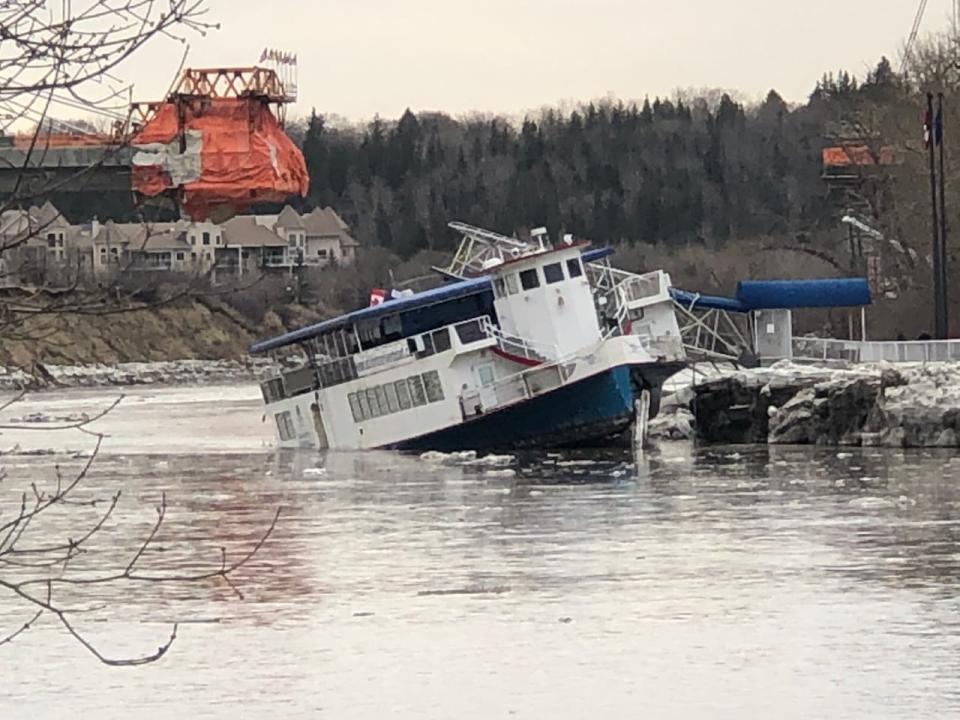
(906, 406)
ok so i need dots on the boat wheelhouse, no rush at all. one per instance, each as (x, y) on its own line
(546, 346)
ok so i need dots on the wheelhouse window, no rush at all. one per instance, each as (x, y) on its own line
(574, 268)
(499, 288)
(529, 279)
(206, 238)
(553, 273)
(511, 282)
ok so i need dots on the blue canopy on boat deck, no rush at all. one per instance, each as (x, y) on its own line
(696, 301)
(782, 295)
(442, 294)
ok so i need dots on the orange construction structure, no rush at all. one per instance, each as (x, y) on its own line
(217, 145)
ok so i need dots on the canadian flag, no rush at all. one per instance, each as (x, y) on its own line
(377, 296)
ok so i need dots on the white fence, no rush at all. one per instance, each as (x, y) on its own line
(881, 351)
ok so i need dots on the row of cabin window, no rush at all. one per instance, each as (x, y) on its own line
(530, 279)
(414, 391)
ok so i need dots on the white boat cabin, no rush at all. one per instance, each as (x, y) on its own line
(409, 367)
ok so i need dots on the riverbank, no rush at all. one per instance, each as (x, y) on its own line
(907, 405)
(174, 372)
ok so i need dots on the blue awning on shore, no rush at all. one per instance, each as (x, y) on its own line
(782, 295)
(791, 294)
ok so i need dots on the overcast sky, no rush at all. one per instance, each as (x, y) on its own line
(361, 57)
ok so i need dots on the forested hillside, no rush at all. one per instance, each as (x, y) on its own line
(662, 171)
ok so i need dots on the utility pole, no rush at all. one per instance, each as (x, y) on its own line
(938, 323)
(940, 139)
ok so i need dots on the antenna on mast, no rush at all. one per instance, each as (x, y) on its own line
(913, 34)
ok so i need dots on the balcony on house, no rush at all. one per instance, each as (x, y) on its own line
(151, 261)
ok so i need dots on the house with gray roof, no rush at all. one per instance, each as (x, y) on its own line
(42, 241)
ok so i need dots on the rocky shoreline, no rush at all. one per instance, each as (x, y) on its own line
(175, 372)
(904, 405)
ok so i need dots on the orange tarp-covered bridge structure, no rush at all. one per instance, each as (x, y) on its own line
(217, 145)
(851, 156)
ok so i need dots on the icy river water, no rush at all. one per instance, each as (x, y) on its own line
(692, 583)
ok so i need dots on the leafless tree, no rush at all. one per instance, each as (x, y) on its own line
(67, 54)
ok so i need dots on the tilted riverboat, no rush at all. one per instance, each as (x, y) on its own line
(531, 344)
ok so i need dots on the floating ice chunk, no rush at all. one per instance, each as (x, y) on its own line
(871, 503)
(463, 456)
(492, 460)
(314, 472)
(508, 472)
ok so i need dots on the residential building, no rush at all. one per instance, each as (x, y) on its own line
(34, 243)
(39, 243)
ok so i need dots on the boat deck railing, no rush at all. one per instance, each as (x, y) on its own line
(379, 357)
(618, 291)
(513, 389)
(521, 347)
(326, 371)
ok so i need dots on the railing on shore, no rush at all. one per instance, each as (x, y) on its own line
(812, 348)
